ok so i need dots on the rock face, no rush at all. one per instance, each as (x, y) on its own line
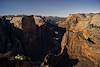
(16, 21)
(82, 39)
(39, 21)
(31, 36)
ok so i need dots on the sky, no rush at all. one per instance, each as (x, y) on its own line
(60, 8)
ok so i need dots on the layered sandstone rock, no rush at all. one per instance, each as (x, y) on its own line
(82, 39)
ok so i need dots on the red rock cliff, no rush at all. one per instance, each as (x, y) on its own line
(82, 39)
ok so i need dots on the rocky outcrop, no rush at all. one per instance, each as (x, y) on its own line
(82, 39)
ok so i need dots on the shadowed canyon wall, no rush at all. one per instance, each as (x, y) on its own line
(31, 36)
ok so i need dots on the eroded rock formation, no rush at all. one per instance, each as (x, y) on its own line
(82, 39)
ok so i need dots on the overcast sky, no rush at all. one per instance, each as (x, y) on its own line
(48, 7)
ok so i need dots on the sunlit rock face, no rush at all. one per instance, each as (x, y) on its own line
(82, 39)
(39, 21)
(15, 20)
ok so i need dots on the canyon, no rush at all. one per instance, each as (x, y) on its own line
(46, 41)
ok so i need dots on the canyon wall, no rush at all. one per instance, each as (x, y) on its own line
(29, 36)
(82, 39)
